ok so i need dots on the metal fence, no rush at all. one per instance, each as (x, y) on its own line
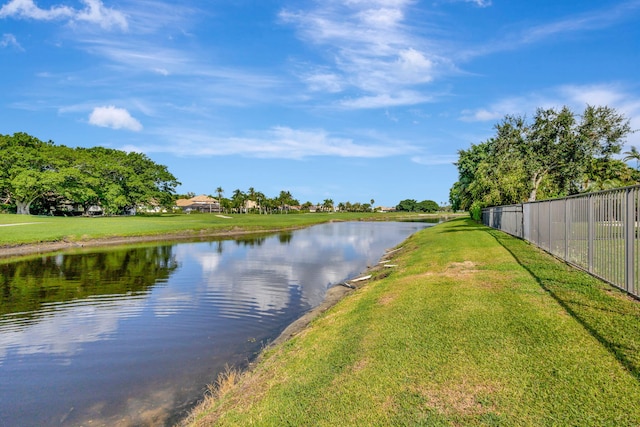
(597, 232)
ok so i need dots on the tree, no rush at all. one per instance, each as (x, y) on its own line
(285, 199)
(237, 200)
(117, 181)
(407, 205)
(327, 205)
(633, 154)
(220, 191)
(25, 170)
(260, 198)
(427, 206)
(551, 156)
(251, 194)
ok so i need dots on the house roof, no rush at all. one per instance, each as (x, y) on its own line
(198, 200)
(203, 199)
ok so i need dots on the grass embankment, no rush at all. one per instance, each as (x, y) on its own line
(472, 328)
(38, 229)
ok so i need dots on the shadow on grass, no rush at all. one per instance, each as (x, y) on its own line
(606, 313)
(463, 225)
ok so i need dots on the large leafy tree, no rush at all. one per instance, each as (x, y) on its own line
(26, 172)
(558, 153)
(113, 179)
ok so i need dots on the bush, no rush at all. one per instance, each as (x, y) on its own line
(476, 211)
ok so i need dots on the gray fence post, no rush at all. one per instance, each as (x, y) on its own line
(566, 229)
(590, 232)
(630, 237)
(602, 240)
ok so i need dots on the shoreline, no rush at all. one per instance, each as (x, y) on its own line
(48, 247)
(333, 295)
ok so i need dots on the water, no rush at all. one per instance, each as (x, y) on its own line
(132, 336)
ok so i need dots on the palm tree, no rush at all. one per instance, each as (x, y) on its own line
(285, 198)
(219, 190)
(251, 194)
(260, 198)
(238, 198)
(372, 202)
(633, 154)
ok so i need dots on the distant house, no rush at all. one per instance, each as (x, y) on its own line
(200, 203)
(250, 205)
(152, 206)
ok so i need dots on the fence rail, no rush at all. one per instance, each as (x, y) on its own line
(597, 232)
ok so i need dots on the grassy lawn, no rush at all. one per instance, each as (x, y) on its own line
(472, 328)
(34, 229)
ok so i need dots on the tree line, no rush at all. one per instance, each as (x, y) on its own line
(49, 178)
(557, 153)
(44, 178)
(240, 202)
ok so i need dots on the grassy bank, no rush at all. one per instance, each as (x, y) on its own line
(472, 328)
(23, 229)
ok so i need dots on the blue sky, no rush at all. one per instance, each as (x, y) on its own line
(350, 100)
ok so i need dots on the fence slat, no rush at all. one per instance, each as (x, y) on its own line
(596, 232)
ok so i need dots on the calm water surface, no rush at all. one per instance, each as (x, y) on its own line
(132, 336)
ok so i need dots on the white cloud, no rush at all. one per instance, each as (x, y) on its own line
(436, 159)
(374, 52)
(480, 3)
(162, 71)
(115, 118)
(385, 100)
(277, 142)
(592, 20)
(587, 21)
(576, 97)
(27, 9)
(94, 12)
(329, 82)
(9, 40)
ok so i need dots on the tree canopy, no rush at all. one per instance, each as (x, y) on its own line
(410, 205)
(556, 154)
(60, 177)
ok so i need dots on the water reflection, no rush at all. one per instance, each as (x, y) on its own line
(132, 336)
(26, 286)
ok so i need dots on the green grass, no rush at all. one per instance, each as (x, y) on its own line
(473, 328)
(52, 229)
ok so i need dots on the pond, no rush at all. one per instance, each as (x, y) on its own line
(133, 335)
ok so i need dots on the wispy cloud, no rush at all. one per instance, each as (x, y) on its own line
(435, 160)
(94, 12)
(115, 118)
(277, 142)
(370, 49)
(10, 40)
(386, 100)
(576, 97)
(592, 20)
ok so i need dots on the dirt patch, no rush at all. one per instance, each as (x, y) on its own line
(461, 398)
(460, 268)
(387, 299)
